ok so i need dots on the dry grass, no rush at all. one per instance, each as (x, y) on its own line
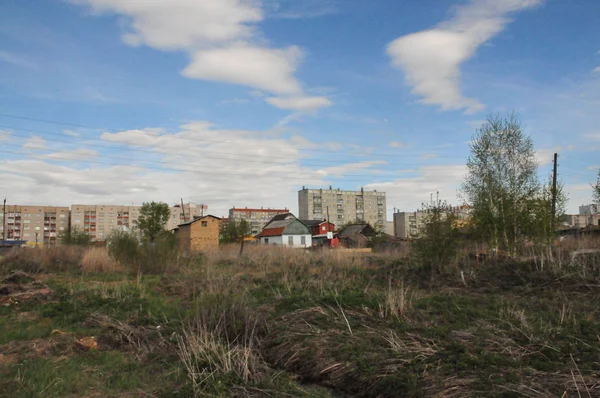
(97, 259)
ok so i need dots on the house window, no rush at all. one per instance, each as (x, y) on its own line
(290, 240)
(205, 223)
(266, 241)
(303, 240)
(323, 227)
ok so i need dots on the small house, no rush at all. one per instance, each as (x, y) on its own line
(199, 234)
(286, 230)
(358, 235)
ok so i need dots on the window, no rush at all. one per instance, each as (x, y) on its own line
(26, 228)
(266, 241)
(62, 215)
(205, 223)
(26, 221)
(303, 240)
(323, 228)
(290, 240)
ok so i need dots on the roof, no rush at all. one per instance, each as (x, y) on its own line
(234, 209)
(283, 216)
(312, 223)
(198, 219)
(358, 229)
(272, 232)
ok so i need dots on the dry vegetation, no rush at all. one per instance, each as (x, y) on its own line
(278, 322)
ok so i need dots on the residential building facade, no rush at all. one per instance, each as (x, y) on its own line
(200, 234)
(582, 220)
(286, 230)
(99, 220)
(589, 209)
(38, 225)
(343, 206)
(408, 224)
(257, 218)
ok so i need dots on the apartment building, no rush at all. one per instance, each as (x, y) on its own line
(589, 209)
(343, 206)
(257, 218)
(38, 225)
(407, 224)
(99, 220)
(582, 220)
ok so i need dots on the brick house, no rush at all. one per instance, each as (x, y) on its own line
(199, 234)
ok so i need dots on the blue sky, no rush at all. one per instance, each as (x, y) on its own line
(241, 103)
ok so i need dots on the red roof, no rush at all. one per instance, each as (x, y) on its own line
(272, 232)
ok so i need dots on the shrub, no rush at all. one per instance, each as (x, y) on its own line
(75, 237)
(123, 247)
(145, 257)
(97, 259)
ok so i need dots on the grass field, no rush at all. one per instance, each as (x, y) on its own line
(278, 323)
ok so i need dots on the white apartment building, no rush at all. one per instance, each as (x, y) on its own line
(99, 220)
(343, 206)
(407, 224)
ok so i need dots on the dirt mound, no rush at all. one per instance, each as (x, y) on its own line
(18, 287)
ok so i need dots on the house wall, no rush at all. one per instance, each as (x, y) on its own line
(204, 236)
(183, 238)
(271, 240)
(283, 240)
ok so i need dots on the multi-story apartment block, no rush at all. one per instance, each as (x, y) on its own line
(582, 220)
(257, 218)
(343, 206)
(589, 209)
(99, 220)
(407, 224)
(38, 225)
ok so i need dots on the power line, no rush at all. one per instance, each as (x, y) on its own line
(266, 175)
(160, 150)
(188, 139)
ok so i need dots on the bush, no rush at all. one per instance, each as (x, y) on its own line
(75, 237)
(146, 257)
(437, 243)
(97, 259)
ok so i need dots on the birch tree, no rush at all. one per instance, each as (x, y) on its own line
(502, 182)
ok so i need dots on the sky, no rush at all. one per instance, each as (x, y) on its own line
(244, 102)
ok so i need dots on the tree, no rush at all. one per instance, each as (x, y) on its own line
(437, 241)
(153, 219)
(74, 236)
(542, 224)
(597, 189)
(236, 231)
(502, 181)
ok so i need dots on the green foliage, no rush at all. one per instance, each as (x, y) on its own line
(123, 246)
(437, 242)
(502, 182)
(543, 226)
(74, 236)
(234, 231)
(153, 219)
(596, 188)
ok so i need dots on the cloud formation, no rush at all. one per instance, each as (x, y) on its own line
(398, 144)
(431, 59)
(220, 37)
(301, 103)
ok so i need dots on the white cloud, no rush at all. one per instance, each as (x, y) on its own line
(76, 154)
(431, 59)
(220, 37)
(545, 156)
(72, 133)
(594, 136)
(597, 69)
(5, 135)
(17, 60)
(301, 103)
(407, 194)
(398, 144)
(429, 156)
(259, 67)
(344, 169)
(35, 142)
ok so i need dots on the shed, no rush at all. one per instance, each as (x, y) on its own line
(199, 234)
(357, 235)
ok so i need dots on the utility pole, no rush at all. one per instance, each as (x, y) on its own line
(4, 221)
(36, 239)
(554, 178)
(183, 210)
(327, 215)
